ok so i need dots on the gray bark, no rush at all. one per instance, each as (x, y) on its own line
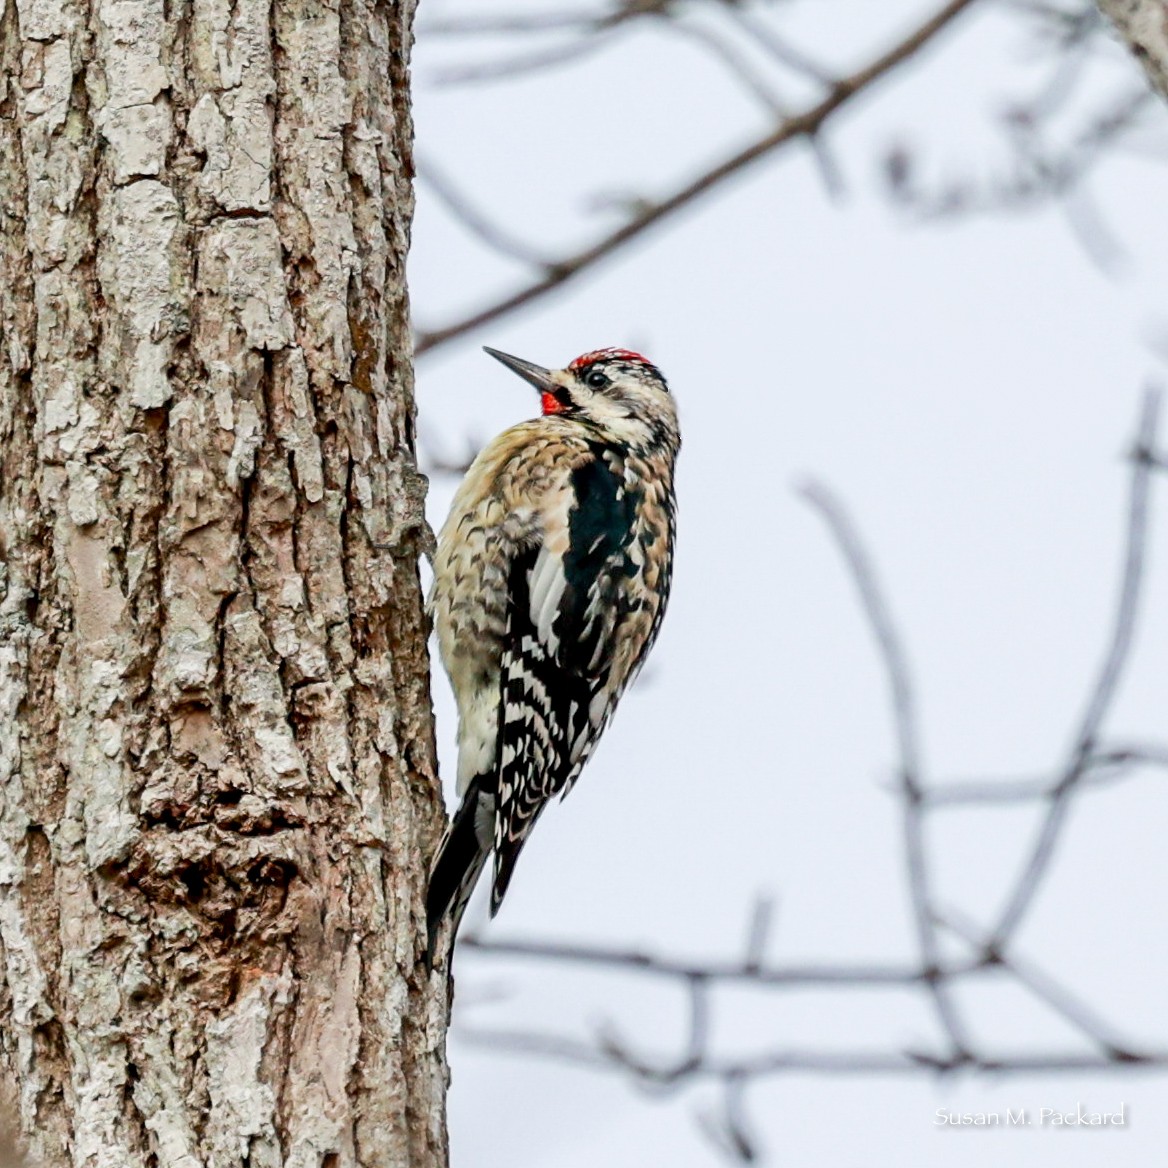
(1143, 24)
(217, 777)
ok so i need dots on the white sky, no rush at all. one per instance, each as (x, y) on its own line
(968, 389)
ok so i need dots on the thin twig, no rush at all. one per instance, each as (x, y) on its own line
(477, 223)
(522, 64)
(730, 1131)
(912, 785)
(544, 22)
(1039, 174)
(696, 1051)
(816, 1062)
(811, 976)
(758, 933)
(738, 65)
(785, 54)
(1044, 987)
(1102, 769)
(594, 29)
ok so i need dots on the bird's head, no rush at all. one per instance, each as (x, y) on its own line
(617, 391)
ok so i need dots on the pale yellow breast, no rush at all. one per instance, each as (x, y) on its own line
(501, 507)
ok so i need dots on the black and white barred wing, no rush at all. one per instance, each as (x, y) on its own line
(576, 632)
(535, 703)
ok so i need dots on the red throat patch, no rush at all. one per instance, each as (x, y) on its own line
(551, 404)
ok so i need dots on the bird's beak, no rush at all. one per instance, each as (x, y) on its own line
(536, 375)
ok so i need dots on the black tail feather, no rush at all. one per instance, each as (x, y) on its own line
(456, 871)
(504, 868)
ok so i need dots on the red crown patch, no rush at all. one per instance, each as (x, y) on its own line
(608, 354)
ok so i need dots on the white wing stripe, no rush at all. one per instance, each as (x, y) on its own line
(547, 584)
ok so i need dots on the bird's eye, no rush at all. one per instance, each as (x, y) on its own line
(596, 379)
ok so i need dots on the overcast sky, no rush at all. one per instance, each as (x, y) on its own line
(968, 389)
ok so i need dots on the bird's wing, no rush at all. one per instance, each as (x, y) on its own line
(562, 672)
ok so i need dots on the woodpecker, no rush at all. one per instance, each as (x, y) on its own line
(550, 581)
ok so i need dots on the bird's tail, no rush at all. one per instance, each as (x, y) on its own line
(461, 857)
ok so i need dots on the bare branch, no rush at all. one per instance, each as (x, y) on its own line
(880, 620)
(1103, 691)
(798, 126)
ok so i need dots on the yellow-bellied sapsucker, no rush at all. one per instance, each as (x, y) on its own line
(550, 582)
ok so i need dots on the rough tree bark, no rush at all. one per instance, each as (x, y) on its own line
(217, 779)
(1143, 24)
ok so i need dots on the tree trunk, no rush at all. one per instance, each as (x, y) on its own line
(216, 755)
(1143, 24)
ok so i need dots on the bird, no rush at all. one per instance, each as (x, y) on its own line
(551, 577)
